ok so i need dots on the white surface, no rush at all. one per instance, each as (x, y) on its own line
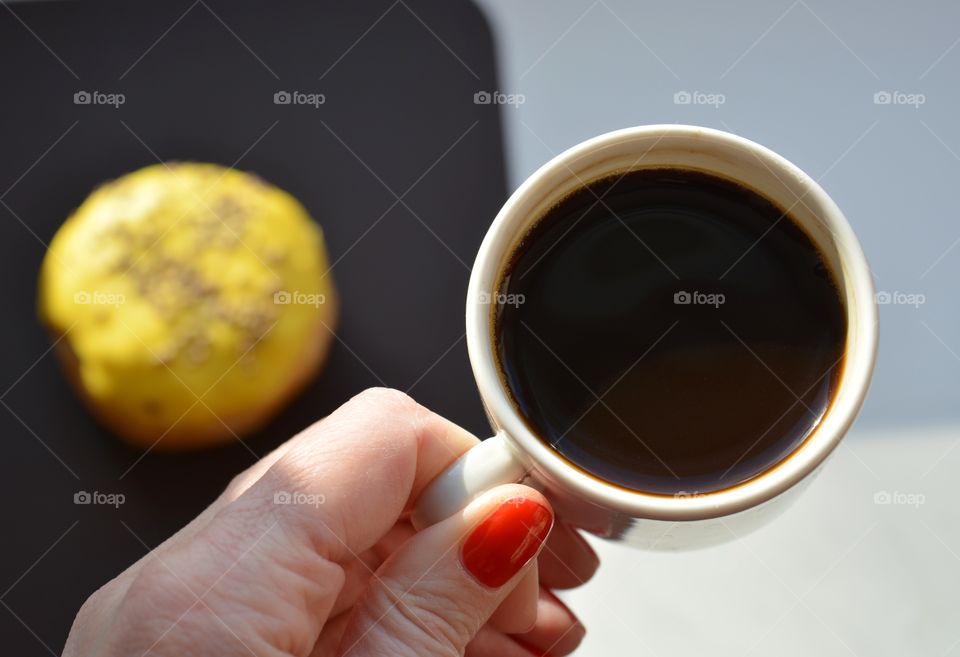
(837, 574)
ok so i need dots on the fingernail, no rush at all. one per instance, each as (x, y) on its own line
(550, 595)
(573, 636)
(506, 540)
(585, 546)
(533, 650)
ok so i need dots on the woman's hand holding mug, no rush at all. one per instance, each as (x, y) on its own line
(386, 529)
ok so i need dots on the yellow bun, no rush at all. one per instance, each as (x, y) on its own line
(189, 302)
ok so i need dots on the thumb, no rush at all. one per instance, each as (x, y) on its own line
(433, 595)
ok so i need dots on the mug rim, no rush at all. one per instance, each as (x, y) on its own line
(858, 365)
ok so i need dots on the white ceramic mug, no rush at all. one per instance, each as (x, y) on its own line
(514, 453)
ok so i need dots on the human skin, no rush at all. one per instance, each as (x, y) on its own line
(310, 552)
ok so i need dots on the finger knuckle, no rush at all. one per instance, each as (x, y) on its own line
(95, 606)
(239, 483)
(386, 397)
(429, 618)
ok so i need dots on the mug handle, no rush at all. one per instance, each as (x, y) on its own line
(491, 463)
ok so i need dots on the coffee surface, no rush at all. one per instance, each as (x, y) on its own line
(669, 331)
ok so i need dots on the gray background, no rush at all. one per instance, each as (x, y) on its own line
(800, 78)
(842, 573)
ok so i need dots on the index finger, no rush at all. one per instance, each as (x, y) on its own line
(345, 481)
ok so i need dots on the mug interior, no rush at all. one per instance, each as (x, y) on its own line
(726, 156)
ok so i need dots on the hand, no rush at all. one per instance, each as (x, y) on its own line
(310, 552)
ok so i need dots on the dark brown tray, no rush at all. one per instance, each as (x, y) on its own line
(398, 101)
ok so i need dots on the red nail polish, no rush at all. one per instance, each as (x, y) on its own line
(506, 540)
(547, 593)
(532, 649)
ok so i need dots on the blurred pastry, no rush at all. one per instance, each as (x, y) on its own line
(189, 302)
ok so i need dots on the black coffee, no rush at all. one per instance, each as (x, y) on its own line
(681, 334)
